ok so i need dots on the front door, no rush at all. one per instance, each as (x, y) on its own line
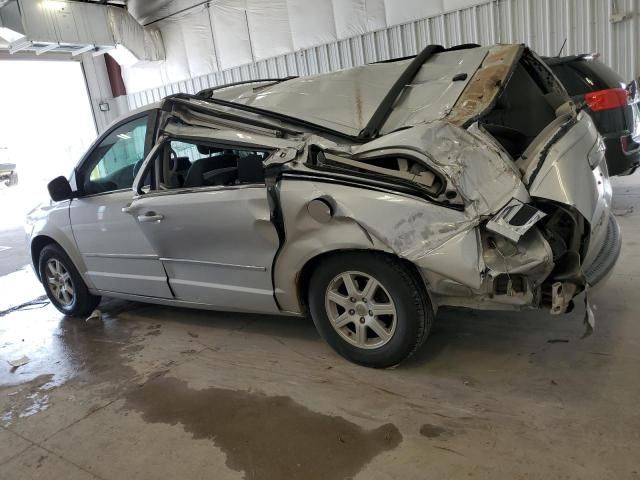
(118, 256)
(210, 223)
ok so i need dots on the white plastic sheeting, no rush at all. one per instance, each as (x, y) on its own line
(363, 32)
(311, 22)
(270, 30)
(136, 43)
(206, 37)
(402, 11)
(358, 17)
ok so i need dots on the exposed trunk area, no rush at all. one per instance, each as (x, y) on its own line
(528, 103)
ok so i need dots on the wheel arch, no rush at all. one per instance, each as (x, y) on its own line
(303, 277)
(37, 245)
(40, 241)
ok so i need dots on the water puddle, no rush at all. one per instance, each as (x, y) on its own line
(60, 350)
(267, 437)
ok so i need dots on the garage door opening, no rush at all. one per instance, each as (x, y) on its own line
(46, 124)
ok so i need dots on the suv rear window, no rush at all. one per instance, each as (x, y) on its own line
(582, 76)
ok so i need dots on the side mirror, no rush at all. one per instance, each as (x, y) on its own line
(60, 189)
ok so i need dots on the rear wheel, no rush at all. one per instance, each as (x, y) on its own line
(369, 307)
(63, 284)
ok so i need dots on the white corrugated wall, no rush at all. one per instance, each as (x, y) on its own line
(610, 27)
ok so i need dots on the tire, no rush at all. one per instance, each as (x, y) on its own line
(76, 302)
(397, 336)
(13, 179)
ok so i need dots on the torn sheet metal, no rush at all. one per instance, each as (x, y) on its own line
(532, 254)
(222, 135)
(514, 220)
(480, 93)
(439, 241)
(210, 120)
(483, 175)
(425, 178)
(458, 259)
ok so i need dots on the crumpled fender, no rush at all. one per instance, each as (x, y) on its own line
(445, 241)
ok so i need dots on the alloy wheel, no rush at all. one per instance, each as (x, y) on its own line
(360, 309)
(59, 281)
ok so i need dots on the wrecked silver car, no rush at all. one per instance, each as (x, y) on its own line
(366, 198)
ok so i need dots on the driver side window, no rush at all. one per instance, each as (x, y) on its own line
(116, 160)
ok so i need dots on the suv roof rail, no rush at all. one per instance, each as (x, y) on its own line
(207, 92)
(373, 126)
(462, 46)
(570, 58)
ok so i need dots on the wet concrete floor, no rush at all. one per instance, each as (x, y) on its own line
(154, 392)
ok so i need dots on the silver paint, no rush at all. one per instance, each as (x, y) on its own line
(128, 262)
(208, 230)
(217, 247)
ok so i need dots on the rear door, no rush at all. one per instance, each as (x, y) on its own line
(118, 256)
(209, 221)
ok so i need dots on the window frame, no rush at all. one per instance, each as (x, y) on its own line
(80, 171)
(153, 165)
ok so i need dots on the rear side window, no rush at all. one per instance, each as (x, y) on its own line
(583, 76)
(193, 165)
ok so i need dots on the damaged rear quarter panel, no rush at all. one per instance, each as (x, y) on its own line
(435, 238)
(362, 219)
(483, 175)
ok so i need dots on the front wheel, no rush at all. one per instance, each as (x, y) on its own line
(63, 284)
(369, 307)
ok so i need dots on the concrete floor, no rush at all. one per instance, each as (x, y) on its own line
(13, 250)
(153, 392)
(16, 201)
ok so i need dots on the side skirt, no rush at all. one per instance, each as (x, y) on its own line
(182, 303)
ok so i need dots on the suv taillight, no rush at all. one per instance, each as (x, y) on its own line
(607, 99)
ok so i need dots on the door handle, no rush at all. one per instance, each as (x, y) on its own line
(126, 208)
(150, 217)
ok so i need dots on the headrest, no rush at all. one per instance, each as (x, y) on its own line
(204, 150)
(180, 163)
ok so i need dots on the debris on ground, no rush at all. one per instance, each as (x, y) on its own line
(18, 362)
(557, 340)
(623, 213)
(589, 316)
(95, 315)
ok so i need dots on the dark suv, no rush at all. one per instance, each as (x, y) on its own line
(611, 102)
